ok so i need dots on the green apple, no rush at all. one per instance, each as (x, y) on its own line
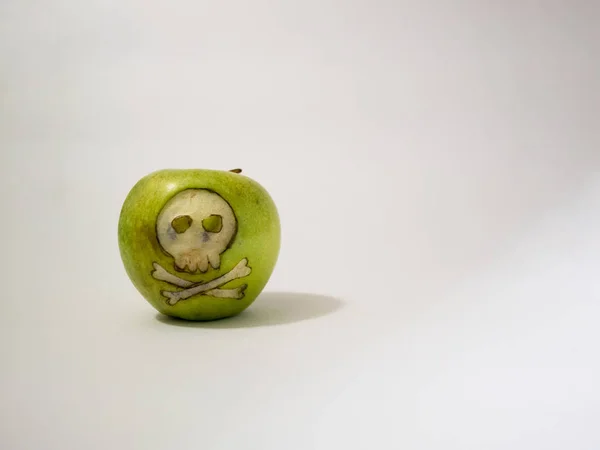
(199, 244)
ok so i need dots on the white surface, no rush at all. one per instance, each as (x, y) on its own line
(452, 149)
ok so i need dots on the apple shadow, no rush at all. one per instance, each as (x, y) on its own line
(269, 309)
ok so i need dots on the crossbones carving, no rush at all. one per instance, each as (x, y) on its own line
(210, 288)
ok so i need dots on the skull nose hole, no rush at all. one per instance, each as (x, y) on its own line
(213, 223)
(181, 223)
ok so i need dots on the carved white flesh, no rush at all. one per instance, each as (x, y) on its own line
(193, 247)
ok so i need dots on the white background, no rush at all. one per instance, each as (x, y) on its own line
(437, 171)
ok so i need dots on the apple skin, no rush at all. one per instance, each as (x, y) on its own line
(257, 238)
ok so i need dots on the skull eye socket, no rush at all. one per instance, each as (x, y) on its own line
(213, 223)
(181, 223)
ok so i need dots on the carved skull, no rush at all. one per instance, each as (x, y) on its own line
(195, 227)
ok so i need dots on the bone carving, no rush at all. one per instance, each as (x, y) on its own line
(211, 288)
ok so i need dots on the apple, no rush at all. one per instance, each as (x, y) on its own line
(199, 244)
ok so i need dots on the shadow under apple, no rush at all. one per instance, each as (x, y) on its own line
(270, 308)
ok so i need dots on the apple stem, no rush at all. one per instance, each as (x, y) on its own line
(236, 170)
